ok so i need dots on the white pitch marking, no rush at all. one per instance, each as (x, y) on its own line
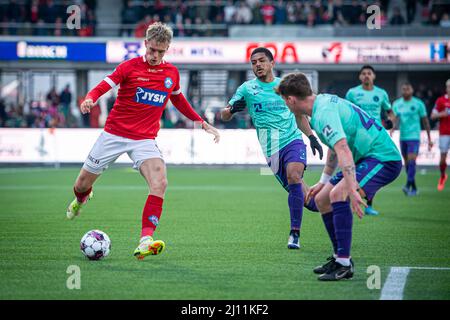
(396, 281)
(395, 284)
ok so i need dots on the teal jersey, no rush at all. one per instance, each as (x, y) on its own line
(410, 114)
(334, 118)
(275, 124)
(372, 102)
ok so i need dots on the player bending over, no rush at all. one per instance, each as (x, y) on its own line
(410, 112)
(441, 112)
(374, 101)
(363, 150)
(146, 85)
(278, 134)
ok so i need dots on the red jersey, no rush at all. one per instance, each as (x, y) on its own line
(443, 104)
(143, 94)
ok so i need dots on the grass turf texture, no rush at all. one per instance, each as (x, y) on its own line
(226, 233)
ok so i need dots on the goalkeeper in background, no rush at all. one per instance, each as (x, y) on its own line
(278, 133)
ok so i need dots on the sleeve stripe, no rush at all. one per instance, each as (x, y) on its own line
(110, 82)
(176, 92)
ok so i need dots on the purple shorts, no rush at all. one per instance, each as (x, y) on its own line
(372, 175)
(294, 151)
(409, 146)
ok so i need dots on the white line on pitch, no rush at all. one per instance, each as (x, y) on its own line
(395, 284)
(396, 281)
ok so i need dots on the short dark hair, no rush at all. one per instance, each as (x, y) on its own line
(407, 84)
(266, 51)
(366, 66)
(295, 84)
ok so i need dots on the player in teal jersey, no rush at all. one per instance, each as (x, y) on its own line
(374, 101)
(278, 133)
(368, 157)
(410, 112)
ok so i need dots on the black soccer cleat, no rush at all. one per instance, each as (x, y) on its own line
(325, 267)
(337, 272)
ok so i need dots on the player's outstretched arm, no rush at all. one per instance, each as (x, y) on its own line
(211, 130)
(346, 163)
(86, 106)
(225, 113)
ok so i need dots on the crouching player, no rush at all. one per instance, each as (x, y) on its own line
(363, 150)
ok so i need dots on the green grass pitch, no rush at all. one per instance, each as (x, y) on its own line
(226, 233)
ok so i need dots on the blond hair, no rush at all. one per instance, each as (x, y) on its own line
(159, 32)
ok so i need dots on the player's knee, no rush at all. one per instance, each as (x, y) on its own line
(337, 194)
(294, 178)
(159, 185)
(322, 202)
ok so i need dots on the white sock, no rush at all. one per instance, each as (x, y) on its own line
(145, 238)
(343, 261)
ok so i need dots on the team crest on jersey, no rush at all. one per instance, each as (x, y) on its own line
(150, 97)
(168, 82)
(376, 99)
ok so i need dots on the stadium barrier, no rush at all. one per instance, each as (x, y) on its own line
(179, 146)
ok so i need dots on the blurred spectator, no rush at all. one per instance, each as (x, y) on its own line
(397, 18)
(110, 102)
(129, 16)
(3, 114)
(229, 12)
(244, 14)
(352, 12)
(280, 12)
(445, 21)
(65, 99)
(268, 12)
(52, 97)
(141, 28)
(411, 7)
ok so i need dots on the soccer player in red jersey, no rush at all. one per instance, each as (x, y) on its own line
(441, 112)
(146, 85)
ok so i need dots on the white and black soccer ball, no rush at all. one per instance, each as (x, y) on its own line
(95, 245)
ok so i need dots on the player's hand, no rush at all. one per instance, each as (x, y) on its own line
(430, 145)
(86, 106)
(238, 105)
(315, 145)
(388, 124)
(211, 130)
(391, 132)
(315, 189)
(356, 201)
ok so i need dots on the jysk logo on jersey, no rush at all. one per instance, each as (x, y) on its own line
(151, 97)
(168, 82)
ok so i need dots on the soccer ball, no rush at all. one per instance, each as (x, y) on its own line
(95, 245)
